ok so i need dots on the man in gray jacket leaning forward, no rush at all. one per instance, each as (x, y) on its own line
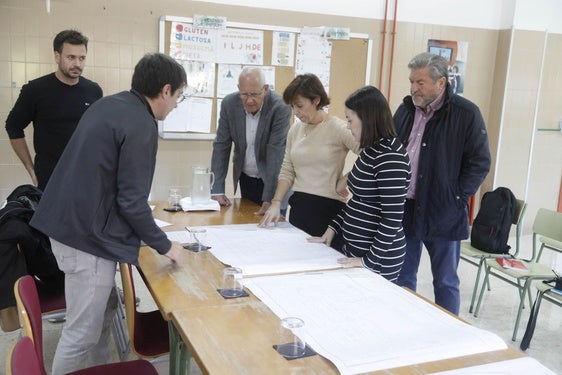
(257, 121)
(95, 208)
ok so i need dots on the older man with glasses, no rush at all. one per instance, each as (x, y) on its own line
(256, 120)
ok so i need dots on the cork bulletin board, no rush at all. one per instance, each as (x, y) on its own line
(350, 65)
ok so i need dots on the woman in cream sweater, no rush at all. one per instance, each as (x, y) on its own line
(317, 146)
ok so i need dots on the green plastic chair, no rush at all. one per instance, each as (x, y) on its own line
(547, 230)
(477, 257)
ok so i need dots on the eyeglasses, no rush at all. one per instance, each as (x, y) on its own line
(248, 95)
(182, 97)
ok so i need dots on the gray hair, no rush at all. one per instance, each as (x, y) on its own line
(438, 65)
(253, 71)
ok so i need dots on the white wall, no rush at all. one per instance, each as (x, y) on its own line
(484, 14)
(540, 15)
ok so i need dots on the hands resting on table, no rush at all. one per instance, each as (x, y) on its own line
(271, 212)
(327, 238)
(224, 201)
(176, 252)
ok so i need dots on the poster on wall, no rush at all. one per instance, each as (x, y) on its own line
(191, 115)
(200, 78)
(227, 79)
(314, 55)
(240, 46)
(456, 54)
(283, 48)
(227, 46)
(192, 43)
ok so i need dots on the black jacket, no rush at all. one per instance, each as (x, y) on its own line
(454, 160)
(23, 249)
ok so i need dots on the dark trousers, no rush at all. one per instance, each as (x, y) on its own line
(251, 188)
(444, 257)
(313, 213)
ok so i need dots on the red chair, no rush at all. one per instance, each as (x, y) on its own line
(29, 310)
(24, 360)
(148, 331)
(53, 303)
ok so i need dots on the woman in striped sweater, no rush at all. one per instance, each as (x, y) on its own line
(371, 222)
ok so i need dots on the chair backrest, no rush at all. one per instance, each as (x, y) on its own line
(23, 360)
(518, 222)
(29, 311)
(148, 331)
(548, 223)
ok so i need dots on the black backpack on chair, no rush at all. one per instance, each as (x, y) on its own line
(490, 229)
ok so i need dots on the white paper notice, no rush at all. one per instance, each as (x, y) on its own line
(193, 114)
(362, 322)
(259, 251)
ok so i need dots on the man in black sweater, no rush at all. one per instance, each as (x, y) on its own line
(54, 103)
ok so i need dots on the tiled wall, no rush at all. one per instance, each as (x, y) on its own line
(121, 32)
(532, 156)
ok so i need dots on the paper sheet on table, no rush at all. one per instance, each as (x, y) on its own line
(277, 249)
(210, 205)
(362, 322)
(161, 223)
(519, 366)
(180, 236)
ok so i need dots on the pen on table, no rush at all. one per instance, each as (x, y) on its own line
(187, 229)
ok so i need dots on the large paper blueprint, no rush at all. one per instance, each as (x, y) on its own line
(361, 322)
(262, 251)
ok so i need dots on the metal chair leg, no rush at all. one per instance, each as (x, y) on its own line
(119, 329)
(484, 283)
(526, 288)
(476, 282)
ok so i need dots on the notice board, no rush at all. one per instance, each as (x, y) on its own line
(350, 67)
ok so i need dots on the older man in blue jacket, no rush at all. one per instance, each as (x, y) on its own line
(447, 143)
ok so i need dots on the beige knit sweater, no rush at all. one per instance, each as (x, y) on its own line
(315, 156)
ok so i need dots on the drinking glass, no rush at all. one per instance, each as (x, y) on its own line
(198, 238)
(174, 198)
(231, 282)
(291, 344)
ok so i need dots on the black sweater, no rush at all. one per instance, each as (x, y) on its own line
(55, 109)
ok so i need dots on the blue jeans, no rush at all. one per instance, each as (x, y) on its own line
(444, 257)
(91, 302)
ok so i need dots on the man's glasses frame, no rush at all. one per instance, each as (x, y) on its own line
(182, 97)
(247, 95)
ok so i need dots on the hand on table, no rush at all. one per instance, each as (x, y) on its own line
(222, 199)
(326, 238)
(350, 262)
(273, 213)
(176, 252)
(264, 207)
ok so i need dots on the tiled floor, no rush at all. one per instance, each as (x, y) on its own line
(497, 315)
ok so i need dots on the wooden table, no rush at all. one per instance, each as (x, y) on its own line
(238, 339)
(236, 335)
(201, 271)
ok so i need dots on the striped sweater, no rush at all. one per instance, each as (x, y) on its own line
(371, 223)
